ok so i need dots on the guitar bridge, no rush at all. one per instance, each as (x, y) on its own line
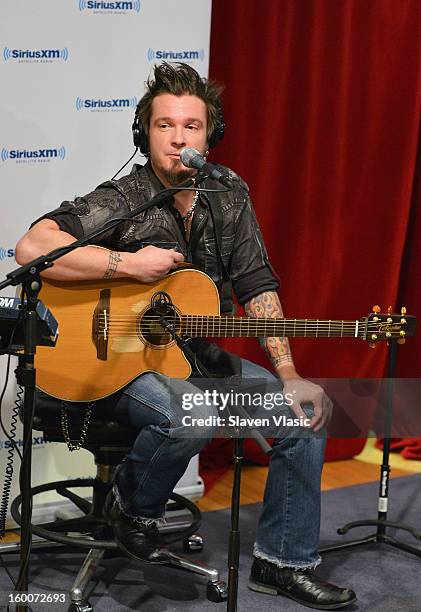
(100, 324)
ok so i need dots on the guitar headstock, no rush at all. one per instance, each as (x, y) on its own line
(389, 326)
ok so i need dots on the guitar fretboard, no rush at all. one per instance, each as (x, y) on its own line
(227, 327)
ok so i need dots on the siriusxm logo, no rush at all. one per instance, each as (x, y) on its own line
(32, 155)
(6, 302)
(4, 254)
(98, 104)
(99, 6)
(175, 55)
(35, 55)
(36, 441)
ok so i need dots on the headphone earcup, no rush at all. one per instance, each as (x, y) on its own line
(140, 138)
(218, 132)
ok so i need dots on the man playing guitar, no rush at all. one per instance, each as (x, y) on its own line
(180, 109)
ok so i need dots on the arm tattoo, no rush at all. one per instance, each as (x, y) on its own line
(268, 305)
(113, 261)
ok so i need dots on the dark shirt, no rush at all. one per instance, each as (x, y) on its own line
(242, 248)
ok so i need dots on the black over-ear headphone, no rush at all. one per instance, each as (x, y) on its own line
(140, 138)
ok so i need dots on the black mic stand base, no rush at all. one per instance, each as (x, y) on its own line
(374, 538)
(381, 537)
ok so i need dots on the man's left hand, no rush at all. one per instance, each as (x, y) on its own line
(303, 391)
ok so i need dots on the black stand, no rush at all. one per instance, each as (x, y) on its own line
(163, 310)
(29, 276)
(25, 375)
(381, 536)
(234, 540)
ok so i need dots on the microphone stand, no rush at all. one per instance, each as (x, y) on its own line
(29, 276)
(25, 376)
(381, 536)
(234, 537)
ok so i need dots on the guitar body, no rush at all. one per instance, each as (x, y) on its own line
(108, 334)
(112, 331)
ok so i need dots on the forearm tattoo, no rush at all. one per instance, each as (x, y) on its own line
(268, 305)
(113, 261)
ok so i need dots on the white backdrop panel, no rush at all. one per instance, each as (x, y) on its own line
(72, 72)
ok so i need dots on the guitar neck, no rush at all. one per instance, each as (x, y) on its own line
(230, 327)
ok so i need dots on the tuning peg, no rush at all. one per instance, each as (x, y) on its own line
(403, 313)
(373, 344)
(401, 340)
(376, 309)
(389, 310)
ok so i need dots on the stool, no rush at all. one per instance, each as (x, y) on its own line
(109, 442)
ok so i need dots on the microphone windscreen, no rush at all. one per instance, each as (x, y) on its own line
(187, 155)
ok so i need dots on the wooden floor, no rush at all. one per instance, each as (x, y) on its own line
(363, 468)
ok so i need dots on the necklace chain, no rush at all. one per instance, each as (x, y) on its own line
(189, 213)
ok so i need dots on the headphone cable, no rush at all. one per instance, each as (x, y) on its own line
(122, 167)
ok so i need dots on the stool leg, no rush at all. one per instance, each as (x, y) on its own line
(85, 574)
(216, 589)
(190, 565)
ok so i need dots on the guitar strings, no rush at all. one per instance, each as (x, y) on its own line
(244, 327)
(239, 326)
(229, 318)
(239, 321)
(226, 326)
(232, 318)
(276, 331)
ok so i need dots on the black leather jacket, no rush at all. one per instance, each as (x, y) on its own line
(242, 248)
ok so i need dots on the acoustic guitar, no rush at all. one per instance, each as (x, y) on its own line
(112, 331)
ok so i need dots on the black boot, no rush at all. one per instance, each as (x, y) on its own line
(301, 585)
(139, 540)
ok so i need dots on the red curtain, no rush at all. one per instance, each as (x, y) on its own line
(322, 110)
(322, 107)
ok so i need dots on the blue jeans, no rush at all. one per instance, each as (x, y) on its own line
(288, 530)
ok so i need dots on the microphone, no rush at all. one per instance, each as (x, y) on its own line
(192, 159)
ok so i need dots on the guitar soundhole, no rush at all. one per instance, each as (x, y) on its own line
(152, 330)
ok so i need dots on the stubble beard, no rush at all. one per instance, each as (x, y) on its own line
(174, 175)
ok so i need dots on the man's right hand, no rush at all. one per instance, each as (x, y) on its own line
(150, 263)
(91, 263)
